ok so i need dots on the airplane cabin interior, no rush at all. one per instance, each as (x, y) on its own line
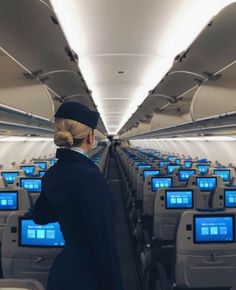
(162, 76)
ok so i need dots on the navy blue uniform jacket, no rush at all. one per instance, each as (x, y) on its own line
(76, 194)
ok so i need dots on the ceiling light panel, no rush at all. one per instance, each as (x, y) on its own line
(138, 38)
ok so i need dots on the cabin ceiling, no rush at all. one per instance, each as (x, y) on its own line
(125, 48)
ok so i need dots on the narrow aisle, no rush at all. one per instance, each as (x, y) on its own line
(125, 251)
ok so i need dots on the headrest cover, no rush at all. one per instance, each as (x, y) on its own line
(78, 112)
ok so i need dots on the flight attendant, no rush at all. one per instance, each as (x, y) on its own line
(76, 194)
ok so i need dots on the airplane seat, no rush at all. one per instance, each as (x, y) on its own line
(223, 197)
(202, 259)
(43, 164)
(142, 173)
(12, 200)
(171, 167)
(28, 250)
(10, 175)
(168, 207)
(227, 174)
(29, 169)
(136, 174)
(206, 184)
(150, 188)
(31, 183)
(203, 167)
(169, 204)
(20, 284)
(183, 175)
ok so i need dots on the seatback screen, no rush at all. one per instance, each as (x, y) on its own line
(8, 200)
(225, 174)
(171, 168)
(144, 166)
(206, 183)
(29, 170)
(203, 168)
(185, 174)
(179, 199)
(41, 164)
(33, 235)
(187, 163)
(41, 173)
(158, 182)
(150, 172)
(162, 163)
(177, 161)
(52, 161)
(31, 184)
(214, 229)
(230, 197)
(10, 176)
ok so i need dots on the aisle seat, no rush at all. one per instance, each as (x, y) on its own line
(202, 258)
(28, 250)
(141, 176)
(135, 173)
(169, 205)
(150, 187)
(12, 199)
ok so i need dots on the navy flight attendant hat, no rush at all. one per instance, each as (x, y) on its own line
(78, 112)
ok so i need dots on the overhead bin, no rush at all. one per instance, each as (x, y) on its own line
(150, 105)
(160, 121)
(216, 97)
(214, 48)
(177, 83)
(31, 34)
(201, 82)
(28, 33)
(22, 95)
(67, 84)
(156, 104)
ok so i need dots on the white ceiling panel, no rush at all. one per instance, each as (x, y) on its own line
(138, 38)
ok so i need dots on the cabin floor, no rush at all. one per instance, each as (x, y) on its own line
(124, 244)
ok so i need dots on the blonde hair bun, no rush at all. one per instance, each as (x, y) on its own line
(63, 139)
